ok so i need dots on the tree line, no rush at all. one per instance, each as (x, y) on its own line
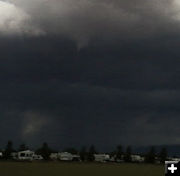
(150, 157)
(87, 154)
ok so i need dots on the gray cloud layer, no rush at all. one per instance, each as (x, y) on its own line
(15, 21)
(123, 85)
(85, 20)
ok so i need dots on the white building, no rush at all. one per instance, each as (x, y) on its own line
(112, 159)
(173, 159)
(101, 157)
(25, 155)
(76, 157)
(137, 158)
(54, 156)
(65, 156)
(14, 155)
(37, 157)
(1, 154)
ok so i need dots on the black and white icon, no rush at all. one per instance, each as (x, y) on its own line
(172, 168)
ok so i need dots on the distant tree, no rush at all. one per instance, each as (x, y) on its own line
(127, 156)
(8, 150)
(163, 155)
(71, 150)
(119, 152)
(150, 157)
(83, 154)
(113, 153)
(23, 147)
(91, 153)
(44, 151)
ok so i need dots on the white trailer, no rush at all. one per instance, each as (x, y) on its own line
(65, 156)
(37, 157)
(1, 154)
(101, 157)
(25, 155)
(137, 158)
(54, 156)
(14, 155)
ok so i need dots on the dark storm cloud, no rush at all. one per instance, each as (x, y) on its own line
(85, 20)
(70, 112)
(122, 86)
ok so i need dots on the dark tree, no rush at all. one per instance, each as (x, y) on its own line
(127, 156)
(163, 155)
(23, 147)
(113, 153)
(8, 150)
(91, 153)
(83, 154)
(150, 157)
(119, 152)
(44, 151)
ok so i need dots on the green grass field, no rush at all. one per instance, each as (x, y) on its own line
(78, 169)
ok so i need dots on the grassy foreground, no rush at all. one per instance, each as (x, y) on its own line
(79, 169)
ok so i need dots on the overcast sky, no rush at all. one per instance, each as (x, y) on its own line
(81, 72)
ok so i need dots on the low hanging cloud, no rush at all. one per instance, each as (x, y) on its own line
(33, 123)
